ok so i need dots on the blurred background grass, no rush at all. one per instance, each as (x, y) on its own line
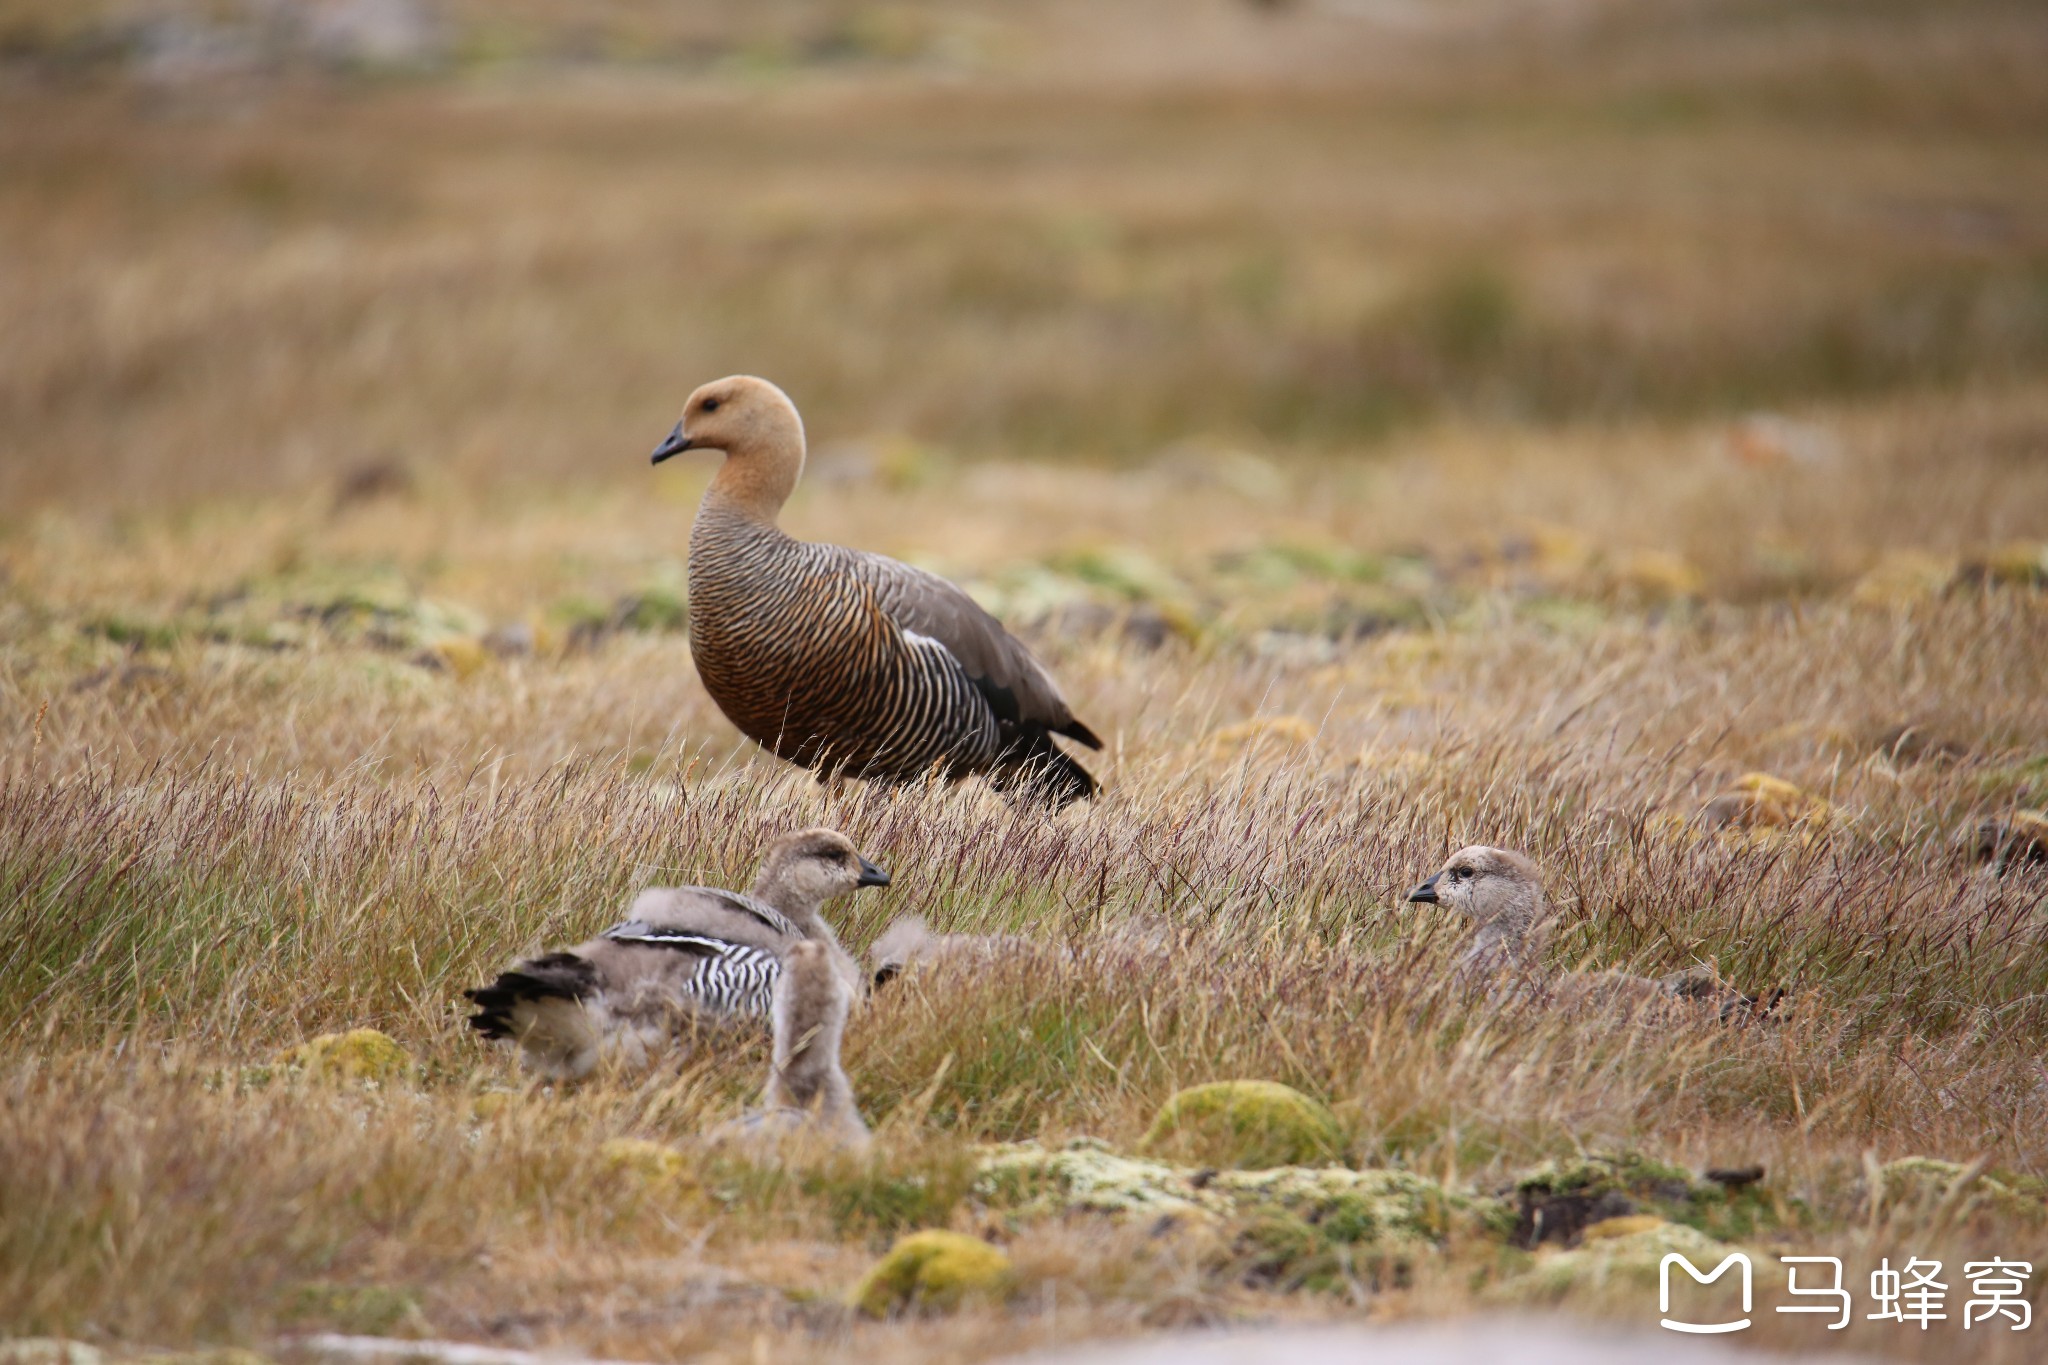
(248, 246)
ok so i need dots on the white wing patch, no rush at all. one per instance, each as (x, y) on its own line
(916, 638)
(636, 931)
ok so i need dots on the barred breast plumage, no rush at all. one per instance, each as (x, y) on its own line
(844, 662)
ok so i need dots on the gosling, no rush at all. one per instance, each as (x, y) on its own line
(909, 942)
(684, 958)
(1501, 892)
(807, 1092)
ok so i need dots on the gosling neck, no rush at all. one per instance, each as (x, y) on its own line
(1507, 945)
(808, 1071)
(796, 906)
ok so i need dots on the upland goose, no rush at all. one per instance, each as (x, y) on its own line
(1501, 892)
(844, 662)
(683, 956)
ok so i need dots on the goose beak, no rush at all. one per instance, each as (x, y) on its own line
(1424, 894)
(676, 444)
(870, 875)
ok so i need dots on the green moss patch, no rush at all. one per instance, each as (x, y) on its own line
(932, 1271)
(1558, 1201)
(652, 1163)
(1630, 1255)
(361, 1054)
(1346, 1206)
(1930, 1185)
(878, 1194)
(1245, 1125)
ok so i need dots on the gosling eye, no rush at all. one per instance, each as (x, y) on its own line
(711, 405)
(1459, 874)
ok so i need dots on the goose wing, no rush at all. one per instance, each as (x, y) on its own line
(638, 962)
(712, 912)
(1015, 684)
(642, 934)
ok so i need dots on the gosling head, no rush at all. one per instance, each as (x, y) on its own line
(1491, 886)
(906, 941)
(813, 866)
(739, 415)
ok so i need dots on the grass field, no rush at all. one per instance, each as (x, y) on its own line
(1392, 436)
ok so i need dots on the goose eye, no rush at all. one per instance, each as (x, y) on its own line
(711, 405)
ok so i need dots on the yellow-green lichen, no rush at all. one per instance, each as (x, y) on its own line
(1597, 1173)
(1631, 1257)
(1244, 1125)
(650, 1162)
(1627, 1225)
(1933, 1183)
(932, 1271)
(1344, 1205)
(361, 1054)
(1362, 1206)
(1560, 1201)
(217, 1355)
(1086, 1175)
(491, 1104)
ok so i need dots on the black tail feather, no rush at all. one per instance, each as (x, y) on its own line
(1074, 729)
(1033, 766)
(553, 976)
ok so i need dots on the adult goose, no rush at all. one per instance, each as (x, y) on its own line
(844, 662)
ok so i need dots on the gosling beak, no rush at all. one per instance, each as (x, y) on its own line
(870, 875)
(676, 444)
(1425, 894)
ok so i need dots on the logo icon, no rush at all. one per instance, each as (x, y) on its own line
(1733, 1258)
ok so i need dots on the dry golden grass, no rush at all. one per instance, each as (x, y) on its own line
(215, 848)
(509, 277)
(1371, 463)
